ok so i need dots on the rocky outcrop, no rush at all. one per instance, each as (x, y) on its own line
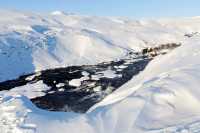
(161, 49)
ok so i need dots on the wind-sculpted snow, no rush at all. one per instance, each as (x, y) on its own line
(76, 88)
(163, 97)
(31, 42)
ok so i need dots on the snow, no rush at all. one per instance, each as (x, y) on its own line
(31, 42)
(169, 90)
(77, 82)
(60, 85)
(39, 42)
(107, 73)
(57, 13)
(29, 90)
(122, 67)
(98, 88)
(61, 89)
(165, 97)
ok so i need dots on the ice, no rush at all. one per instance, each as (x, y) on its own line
(60, 85)
(165, 97)
(77, 82)
(108, 74)
(30, 42)
(37, 89)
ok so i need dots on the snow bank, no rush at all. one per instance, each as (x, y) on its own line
(164, 97)
(167, 89)
(30, 42)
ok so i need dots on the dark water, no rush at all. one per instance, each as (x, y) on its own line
(63, 96)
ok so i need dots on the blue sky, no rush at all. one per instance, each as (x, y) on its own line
(129, 8)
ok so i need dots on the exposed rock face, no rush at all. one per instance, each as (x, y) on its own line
(161, 49)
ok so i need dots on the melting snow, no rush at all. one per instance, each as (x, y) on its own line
(165, 97)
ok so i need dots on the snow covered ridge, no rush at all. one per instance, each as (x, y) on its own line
(163, 98)
(30, 42)
(77, 88)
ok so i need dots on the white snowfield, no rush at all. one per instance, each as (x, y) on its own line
(164, 98)
(31, 42)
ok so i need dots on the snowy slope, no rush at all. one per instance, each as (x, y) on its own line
(165, 97)
(162, 98)
(30, 42)
(167, 93)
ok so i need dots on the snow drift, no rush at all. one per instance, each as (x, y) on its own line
(31, 42)
(165, 97)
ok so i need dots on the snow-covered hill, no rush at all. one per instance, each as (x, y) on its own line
(31, 42)
(164, 97)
